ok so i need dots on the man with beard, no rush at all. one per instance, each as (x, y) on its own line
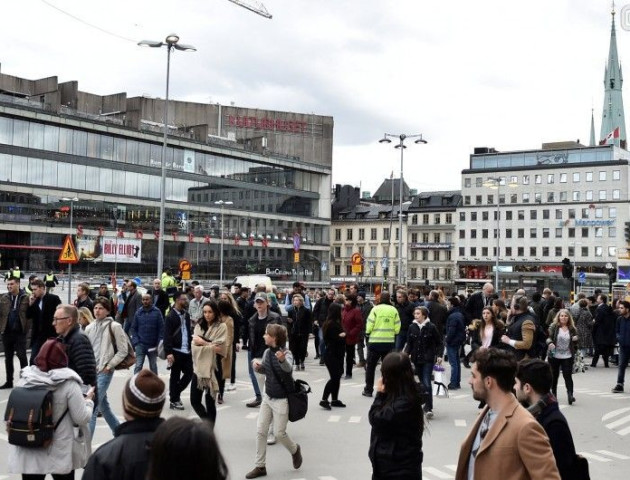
(40, 311)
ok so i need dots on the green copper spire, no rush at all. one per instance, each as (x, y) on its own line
(591, 142)
(613, 114)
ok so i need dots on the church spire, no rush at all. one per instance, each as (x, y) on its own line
(591, 142)
(613, 114)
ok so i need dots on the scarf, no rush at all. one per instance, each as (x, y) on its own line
(205, 357)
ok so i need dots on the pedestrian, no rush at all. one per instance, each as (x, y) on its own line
(228, 317)
(454, 339)
(40, 312)
(14, 326)
(397, 422)
(562, 342)
(133, 303)
(85, 317)
(177, 338)
(298, 289)
(70, 408)
(159, 297)
(187, 449)
(256, 327)
(195, 305)
(365, 306)
(83, 297)
(584, 324)
(603, 331)
(505, 439)
(532, 387)
(209, 344)
(487, 331)
(320, 312)
(126, 456)
(78, 347)
(424, 347)
(438, 312)
(520, 332)
(276, 364)
(405, 312)
(382, 326)
(335, 339)
(109, 343)
(147, 330)
(299, 321)
(51, 281)
(622, 332)
(477, 301)
(352, 322)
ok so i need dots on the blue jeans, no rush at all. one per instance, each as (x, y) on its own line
(624, 356)
(401, 339)
(102, 384)
(141, 352)
(453, 360)
(424, 372)
(252, 375)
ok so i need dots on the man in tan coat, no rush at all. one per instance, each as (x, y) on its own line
(506, 441)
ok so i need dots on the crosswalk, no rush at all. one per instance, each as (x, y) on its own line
(598, 393)
(618, 421)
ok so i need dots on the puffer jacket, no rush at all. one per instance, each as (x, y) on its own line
(80, 354)
(126, 456)
(101, 340)
(57, 458)
(283, 372)
(147, 328)
(455, 327)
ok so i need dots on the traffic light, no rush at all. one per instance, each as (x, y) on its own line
(627, 230)
(567, 268)
(612, 275)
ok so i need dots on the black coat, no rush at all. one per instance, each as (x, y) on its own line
(474, 306)
(396, 439)
(80, 354)
(300, 322)
(557, 429)
(126, 456)
(172, 323)
(405, 312)
(604, 327)
(162, 302)
(424, 344)
(41, 320)
(437, 314)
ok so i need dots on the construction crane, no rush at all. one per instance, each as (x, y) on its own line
(253, 6)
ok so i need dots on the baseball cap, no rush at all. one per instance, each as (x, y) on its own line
(214, 286)
(261, 296)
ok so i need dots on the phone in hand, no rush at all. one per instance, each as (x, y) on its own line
(85, 389)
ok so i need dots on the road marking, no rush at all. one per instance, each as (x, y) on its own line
(618, 423)
(319, 380)
(457, 397)
(251, 415)
(451, 467)
(326, 478)
(437, 473)
(334, 418)
(354, 420)
(592, 456)
(624, 431)
(5, 400)
(460, 423)
(613, 454)
(224, 407)
(614, 413)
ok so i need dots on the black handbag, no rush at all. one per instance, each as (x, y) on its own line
(298, 399)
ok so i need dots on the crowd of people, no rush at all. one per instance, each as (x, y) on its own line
(515, 349)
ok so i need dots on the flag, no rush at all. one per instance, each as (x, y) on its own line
(614, 135)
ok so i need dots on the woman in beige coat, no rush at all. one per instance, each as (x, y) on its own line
(226, 312)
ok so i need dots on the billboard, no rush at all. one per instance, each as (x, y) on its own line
(109, 249)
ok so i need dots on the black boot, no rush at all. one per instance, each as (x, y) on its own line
(571, 397)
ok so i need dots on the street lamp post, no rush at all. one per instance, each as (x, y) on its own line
(386, 139)
(71, 200)
(171, 42)
(222, 203)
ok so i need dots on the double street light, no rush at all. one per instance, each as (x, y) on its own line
(171, 42)
(401, 144)
(71, 200)
(222, 203)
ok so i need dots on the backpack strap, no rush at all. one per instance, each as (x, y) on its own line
(61, 418)
(112, 338)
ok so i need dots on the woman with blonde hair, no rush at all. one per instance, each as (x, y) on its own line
(562, 343)
(85, 317)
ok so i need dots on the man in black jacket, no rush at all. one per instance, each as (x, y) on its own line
(320, 311)
(160, 297)
(603, 331)
(477, 301)
(405, 312)
(177, 337)
(40, 311)
(126, 456)
(78, 347)
(533, 385)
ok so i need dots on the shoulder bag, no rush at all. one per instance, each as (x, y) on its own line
(298, 399)
(130, 359)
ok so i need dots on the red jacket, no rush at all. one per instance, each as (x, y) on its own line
(352, 322)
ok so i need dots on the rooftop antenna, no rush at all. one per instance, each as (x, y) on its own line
(253, 6)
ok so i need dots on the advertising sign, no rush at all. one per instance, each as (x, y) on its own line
(114, 249)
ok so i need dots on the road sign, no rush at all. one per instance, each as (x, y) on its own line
(296, 257)
(357, 259)
(324, 266)
(582, 277)
(185, 267)
(68, 253)
(296, 243)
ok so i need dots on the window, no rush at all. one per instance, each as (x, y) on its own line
(520, 233)
(545, 251)
(425, 238)
(397, 235)
(473, 251)
(349, 251)
(425, 219)
(508, 251)
(462, 251)
(473, 234)
(616, 174)
(585, 251)
(425, 255)
(349, 234)
(337, 234)
(576, 196)
(526, 198)
(337, 251)
(484, 233)
(538, 197)
(563, 196)
(372, 251)
(599, 232)
(584, 232)
(602, 176)
(532, 251)
(462, 234)
(576, 177)
(436, 255)
(508, 215)
(532, 233)
(462, 216)
(545, 214)
(589, 195)
(520, 251)
(513, 180)
(559, 232)
(361, 233)
(348, 270)
(612, 251)
(550, 177)
(571, 232)
(545, 233)
(558, 214)
(385, 233)
(484, 215)
(478, 182)
(414, 273)
(473, 216)
(414, 238)
(337, 270)
(538, 179)
(484, 251)
(478, 199)
(558, 251)
(616, 194)
(612, 212)
(589, 176)
(373, 234)
(550, 197)
(533, 214)
(521, 214)
(436, 219)
(602, 194)
(599, 212)
(466, 199)
(508, 233)
(513, 198)
(425, 273)
(502, 199)
(436, 237)
(467, 182)
(571, 251)
(449, 218)
(490, 199)
(599, 251)
(448, 255)
(414, 219)
(525, 179)
(571, 212)
(563, 178)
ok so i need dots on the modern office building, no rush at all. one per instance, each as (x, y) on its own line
(66, 153)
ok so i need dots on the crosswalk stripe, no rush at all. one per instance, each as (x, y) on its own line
(592, 456)
(251, 415)
(457, 397)
(460, 423)
(613, 454)
(354, 420)
(437, 473)
(619, 422)
(451, 467)
(318, 380)
(614, 413)
(623, 431)
(223, 407)
(334, 418)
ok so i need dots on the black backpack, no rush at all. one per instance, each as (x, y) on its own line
(29, 417)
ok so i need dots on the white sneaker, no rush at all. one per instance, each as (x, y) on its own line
(271, 439)
(230, 387)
